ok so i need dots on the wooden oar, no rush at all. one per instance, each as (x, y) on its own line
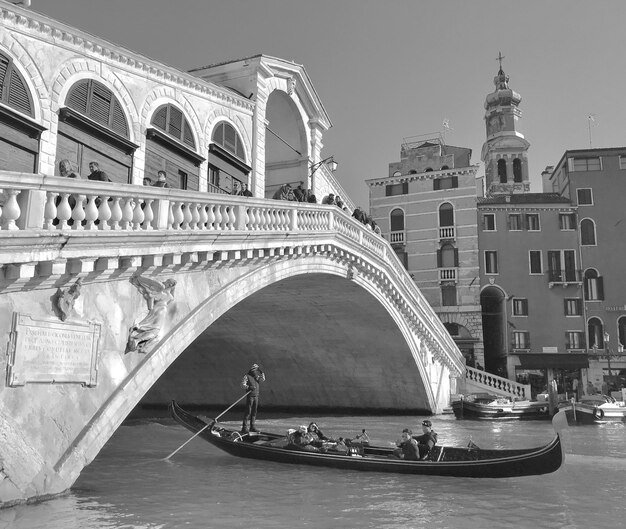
(205, 427)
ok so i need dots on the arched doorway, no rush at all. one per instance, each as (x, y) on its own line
(494, 331)
(286, 152)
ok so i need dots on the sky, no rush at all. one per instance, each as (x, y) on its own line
(391, 69)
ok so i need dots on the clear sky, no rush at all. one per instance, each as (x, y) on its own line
(391, 69)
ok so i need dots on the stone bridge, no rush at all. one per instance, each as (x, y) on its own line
(318, 299)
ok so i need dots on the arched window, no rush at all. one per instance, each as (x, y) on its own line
(428, 170)
(226, 136)
(227, 166)
(19, 136)
(502, 171)
(13, 90)
(594, 285)
(446, 215)
(517, 170)
(444, 167)
(171, 120)
(412, 171)
(587, 232)
(170, 147)
(398, 173)
(448, 257)
(595, 330)
(93, 127)
(396, 219)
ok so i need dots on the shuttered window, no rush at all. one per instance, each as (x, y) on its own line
(13, 90)
(171, 120)
(226, 137)
(95, 101)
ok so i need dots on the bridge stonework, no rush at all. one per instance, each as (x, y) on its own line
(319, 299)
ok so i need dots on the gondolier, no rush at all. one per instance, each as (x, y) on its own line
(251, 381)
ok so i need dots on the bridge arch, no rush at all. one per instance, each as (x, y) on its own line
(405, 365)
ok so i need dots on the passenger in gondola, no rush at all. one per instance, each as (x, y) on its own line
(317, 434)
(302, 439)
(407, 446)
(427, 440)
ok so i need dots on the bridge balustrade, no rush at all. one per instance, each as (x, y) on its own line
(56, 205)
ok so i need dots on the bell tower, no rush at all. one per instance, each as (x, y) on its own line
(505, 152)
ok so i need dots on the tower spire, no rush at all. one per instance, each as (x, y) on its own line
(499, 59)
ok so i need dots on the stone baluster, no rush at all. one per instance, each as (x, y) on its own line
(195, 216)
(91, 213)
(138, 214)
(148, 214)
(203, 216)
(179, 216)
(211, 217)
(50, 210)
(116, 214)
(247, 221)
(218, 217)
(78, 213)
(255, 219)
(232, 218)
(127, 214)
(186, 210)
(170, 216)
(11, 211)
(64, 211)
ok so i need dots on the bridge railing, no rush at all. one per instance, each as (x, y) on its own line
(45, 204)
(496, 384)
(30, 202)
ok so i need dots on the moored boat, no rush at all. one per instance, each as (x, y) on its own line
(486, 406)
(594, 409)
(442, 461)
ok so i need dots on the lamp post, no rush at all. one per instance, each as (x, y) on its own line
(330, 163)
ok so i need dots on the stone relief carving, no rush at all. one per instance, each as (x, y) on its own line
(144, 334)
(64, 300)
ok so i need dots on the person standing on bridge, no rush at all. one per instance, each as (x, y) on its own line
(251, 382)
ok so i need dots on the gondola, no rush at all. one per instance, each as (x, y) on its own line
(470, 462)
(484, 406)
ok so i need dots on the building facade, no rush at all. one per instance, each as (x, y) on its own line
(426, 206)
(528, 284)
(69, 95)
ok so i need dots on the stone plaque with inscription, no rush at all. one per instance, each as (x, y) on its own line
(47, 351)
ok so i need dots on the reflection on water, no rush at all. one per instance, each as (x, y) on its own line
(129, 485)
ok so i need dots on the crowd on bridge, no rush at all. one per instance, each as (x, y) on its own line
(284, 192)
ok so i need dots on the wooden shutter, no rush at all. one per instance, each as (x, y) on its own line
(405, 188)
(439, 259)
(600, 285)
(100, 110)
(455, 181)
(176, 123)
(456, 257)
(436, 184)
(159, 119)
(4, 66)
(77, 98)
(118, 119)
(19, 97)
(188, 135)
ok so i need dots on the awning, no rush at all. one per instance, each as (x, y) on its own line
(553, 360)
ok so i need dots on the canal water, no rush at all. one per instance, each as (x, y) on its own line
(130, 486)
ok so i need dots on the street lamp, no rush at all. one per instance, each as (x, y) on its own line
(330, 163)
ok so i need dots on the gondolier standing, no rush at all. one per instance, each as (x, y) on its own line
(251, 381)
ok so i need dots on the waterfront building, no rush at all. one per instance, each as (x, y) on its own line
(594, 181)
(426, 206)
(519, 278)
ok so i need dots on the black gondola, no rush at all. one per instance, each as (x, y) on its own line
(442, 461)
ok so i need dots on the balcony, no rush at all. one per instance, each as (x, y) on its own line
(447, 274)
(564, 278)
(397, 238)
(447, 233)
